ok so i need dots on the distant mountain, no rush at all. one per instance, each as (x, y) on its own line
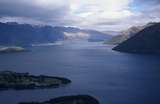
(113, 33)
(90, 35)
(97, 36)
(25, 34)
(145, 41)
(117, 39)
(124, 35)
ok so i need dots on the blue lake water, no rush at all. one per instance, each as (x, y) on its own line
(112, 77)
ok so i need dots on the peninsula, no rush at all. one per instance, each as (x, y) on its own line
(20, 81)
(78, 99)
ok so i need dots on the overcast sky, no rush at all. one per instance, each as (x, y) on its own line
(91, 14)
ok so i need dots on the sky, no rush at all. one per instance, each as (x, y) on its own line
(103, 15)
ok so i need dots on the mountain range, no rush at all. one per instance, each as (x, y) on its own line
(13, 33)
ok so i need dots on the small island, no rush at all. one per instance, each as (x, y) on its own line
(79, 99)
(12, 49)
(21, 81)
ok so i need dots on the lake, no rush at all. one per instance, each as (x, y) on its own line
(112, 77)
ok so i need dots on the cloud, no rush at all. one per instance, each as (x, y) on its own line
(92, 14)
(150, 13)
(79, 35)
(144, 11)
(148, 1)
(34, 8)
(38, 10)
(97, 13)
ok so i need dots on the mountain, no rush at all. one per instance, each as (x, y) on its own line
(97, 36)
(113, 33)
(145, 41)
(90, 35)
(124, 35)
(26, 34)
(117, 39)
